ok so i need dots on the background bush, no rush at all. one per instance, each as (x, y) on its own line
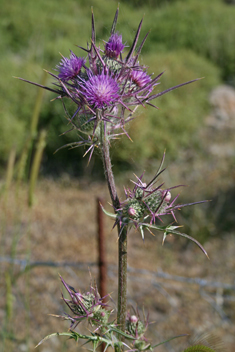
(188, 39)
(205, 27)
(181, 112)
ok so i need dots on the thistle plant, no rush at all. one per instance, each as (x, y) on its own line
(106, 87)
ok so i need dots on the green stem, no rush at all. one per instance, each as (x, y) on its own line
(122, 243)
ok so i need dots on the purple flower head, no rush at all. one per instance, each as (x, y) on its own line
(100, 90)
(140, 78)
(114, 46)
(70, 68)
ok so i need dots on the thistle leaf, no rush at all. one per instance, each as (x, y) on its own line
(69, 334)
(171, 230)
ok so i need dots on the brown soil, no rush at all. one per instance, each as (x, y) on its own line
(61, 227)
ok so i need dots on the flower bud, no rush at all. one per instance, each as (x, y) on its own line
(133, 319)
(114, 46)
(166, 195)
(132, 211)
(139, 193)
(134, 326)
(101, 317)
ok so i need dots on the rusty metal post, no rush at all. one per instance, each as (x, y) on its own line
(101, 248)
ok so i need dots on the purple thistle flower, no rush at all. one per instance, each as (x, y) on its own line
(140, 78)
(100, 90)
(70, 68)
(114, 46)
(115, 84)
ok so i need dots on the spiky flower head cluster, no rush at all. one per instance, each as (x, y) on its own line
(105, 87)
(146, 204)
(146, 201)
(85, 306)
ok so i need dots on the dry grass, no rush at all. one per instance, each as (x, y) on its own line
(61, 227)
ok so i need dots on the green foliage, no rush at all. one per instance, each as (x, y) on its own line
(200, 26)
(11, 133)
(16, 103)
(149, 3)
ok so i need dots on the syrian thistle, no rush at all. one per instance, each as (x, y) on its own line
(106, 87)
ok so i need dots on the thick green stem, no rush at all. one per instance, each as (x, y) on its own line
(122, 243)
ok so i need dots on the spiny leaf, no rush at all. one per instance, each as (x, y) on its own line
(171, 230)
(69, 334)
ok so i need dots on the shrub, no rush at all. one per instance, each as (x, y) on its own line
(200, 26)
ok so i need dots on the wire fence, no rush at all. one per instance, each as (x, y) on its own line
(215, 293)
(149, 275)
